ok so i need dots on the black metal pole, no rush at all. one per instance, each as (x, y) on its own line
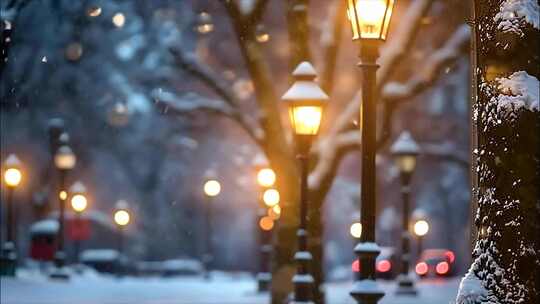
(405, 283)
(59, 256)
(264, 277)
(303, 281)
(419, 248)
(365, 290)
(120, 251)
(9, 252)
(77, 243)
(208, 256)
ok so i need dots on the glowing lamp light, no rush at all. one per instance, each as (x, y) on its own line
(356, 230)
(121, 217)
(266, 177)
(65, 159)
(306, 101)
(266, 223)
(421, 228)
(261, 34)
(421, 268)
(119, 20)
(79, 203)
(370, 19)
(63, 195)
(93, 11)
(274, 212)
(271, 197)
(384, 266)
(212, 188)
(12, 174)
(442, 268)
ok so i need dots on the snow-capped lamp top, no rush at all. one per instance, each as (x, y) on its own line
(305, 89)
(12, 161)
(405, 151)
(77, 188)
(405, 144)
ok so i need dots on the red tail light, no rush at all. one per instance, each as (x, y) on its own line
(421, 268)
(450, 256)
(384, 266)
(356, 266)
(442, 268)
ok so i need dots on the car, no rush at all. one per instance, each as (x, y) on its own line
(435, 262)
(386, 265)
(182, 267)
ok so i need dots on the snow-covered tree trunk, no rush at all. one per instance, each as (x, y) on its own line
(506, 264)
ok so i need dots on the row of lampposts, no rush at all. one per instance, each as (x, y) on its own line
(64, 160)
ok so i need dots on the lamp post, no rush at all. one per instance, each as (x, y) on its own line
(305, 101)
(212, 188)
(79, 202)
(266, 178)
(121, 218)
(405, 150)
(12, 179)
(421, 228)
(369, 20)
(64, 160)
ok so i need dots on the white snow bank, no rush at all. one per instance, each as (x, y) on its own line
(520, 90)
(247, 6)
(49, 226)
(101, 255)
(512, 11)
(471, 290)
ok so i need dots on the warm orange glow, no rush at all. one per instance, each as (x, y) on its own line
(205, 24)
(406, 163)
(306, 120)
(266, 223)
(370, 19)
(384, 266)
(274, 212)
(79, 203)
(12, 177)
(266, 177)
(121, 217)
(212, 188)
(442, 268)
(450, 255)
(356, 230)
(65, 159)
(63, 195)
(421, 268)
(421, 228)
(271, 197)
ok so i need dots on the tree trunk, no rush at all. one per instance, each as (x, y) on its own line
(506, 256)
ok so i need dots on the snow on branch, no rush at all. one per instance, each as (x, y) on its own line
(514, 12)
(519, 90)
(189, 103)
(427, 75)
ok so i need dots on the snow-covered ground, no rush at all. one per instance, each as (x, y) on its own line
(91, 288)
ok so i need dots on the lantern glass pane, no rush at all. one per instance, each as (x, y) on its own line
(370, 19)
(406, 163)
(305, 120)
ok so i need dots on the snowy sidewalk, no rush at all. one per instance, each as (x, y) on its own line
(222, 289)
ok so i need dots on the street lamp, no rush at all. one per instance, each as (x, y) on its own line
(204, 23)
(405, 151)
(12, 179)
(64, 160)
(305, 101)
(121, 218)
(79, 202)
(212, 188)
(369, 20)
(266, 178)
